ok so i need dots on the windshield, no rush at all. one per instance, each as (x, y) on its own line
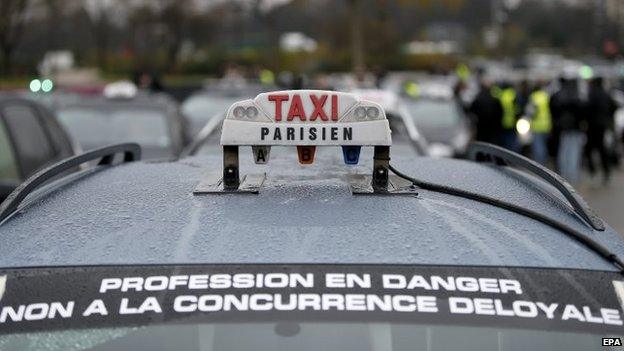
(93, 128)
(300, 336)
(433, 113)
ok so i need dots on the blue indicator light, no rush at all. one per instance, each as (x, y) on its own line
(351, 154)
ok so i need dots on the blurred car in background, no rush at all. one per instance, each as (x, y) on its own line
(30, 139)
(619, 125)
(122, 115)
(196, 256)
(201, 107)
(618, 132)
(214, 100)
(397, 117)
(54, 100)
(443, 124)
(439, 117)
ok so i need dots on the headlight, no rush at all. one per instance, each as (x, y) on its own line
(360, 113)
(246, 111)
(239, 112)
(251, 112)
(372, 112)
(363, 113)
(523, 126)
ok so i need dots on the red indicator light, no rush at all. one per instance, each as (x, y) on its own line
(306, 154)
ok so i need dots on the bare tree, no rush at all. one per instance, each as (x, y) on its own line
(174, 15)
(102, 15)
(357, 41)
(12, 20)
(266, 12)
(160, 27)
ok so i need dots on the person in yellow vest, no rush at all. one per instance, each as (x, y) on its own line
(266, 77)
(538, 110)
(506, 94)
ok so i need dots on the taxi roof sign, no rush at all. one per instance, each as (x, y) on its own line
(306, 118)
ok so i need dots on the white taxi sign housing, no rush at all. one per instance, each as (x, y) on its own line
(306, 118)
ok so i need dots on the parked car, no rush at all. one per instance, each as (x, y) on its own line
(30, 139)
(151, 120)
(379, 251)
(400, 122)
(442, 122)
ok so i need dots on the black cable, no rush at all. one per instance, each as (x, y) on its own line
(575, 234)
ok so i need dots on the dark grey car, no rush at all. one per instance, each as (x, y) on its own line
(30, 139)
(442, 123)
(152, 121)
(493, 252)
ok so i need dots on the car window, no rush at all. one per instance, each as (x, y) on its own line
(433, 113)
(94, 128)
(31, 142)
(8, 166)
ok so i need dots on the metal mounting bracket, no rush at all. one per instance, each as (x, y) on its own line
(381, 164)
(361, 184)
(231, 180)
(379, 183)
(214, 184)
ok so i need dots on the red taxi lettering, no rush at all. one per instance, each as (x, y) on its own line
(278, 99)
(318, 107)
(296, 109)
(334, 108)
(306, 154)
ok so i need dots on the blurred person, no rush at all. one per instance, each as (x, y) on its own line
(233, 76)
(566, 113)
(321, 81)
(285, 79)
(380, 75)
(411, 89)
(538, 110)
(600, 120)
(266, 77)
(462, 71)
(148, 81)
(524, 97)
(299, 82)
(155, 84)
(508, 101)
(488, 113)
(458, 90)
(363, 78)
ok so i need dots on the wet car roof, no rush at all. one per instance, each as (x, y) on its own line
(146, 213)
